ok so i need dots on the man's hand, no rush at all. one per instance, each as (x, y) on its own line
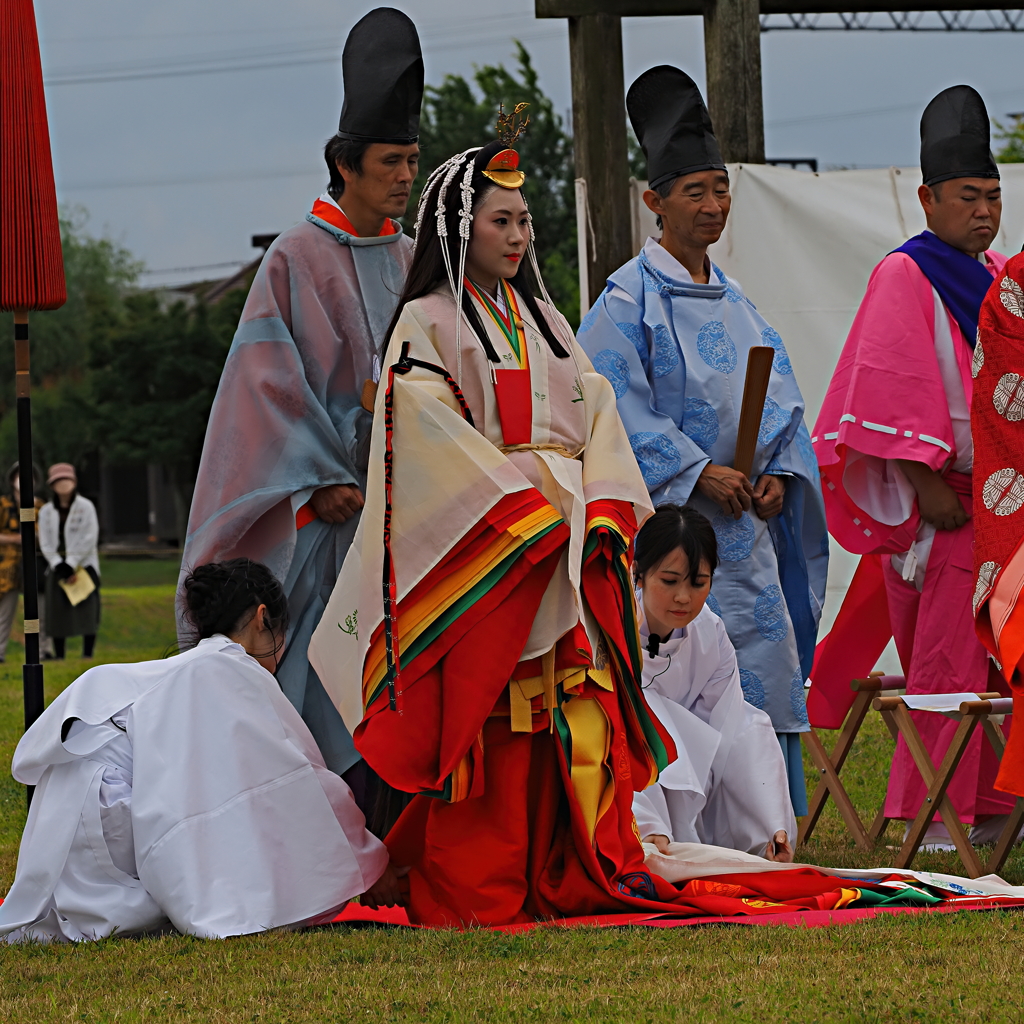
(937, 502)
(769, 493)
(660, 841)
(337, 503)
(385, 892)
(727, 487)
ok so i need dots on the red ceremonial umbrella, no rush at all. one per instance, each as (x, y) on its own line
(31, 269)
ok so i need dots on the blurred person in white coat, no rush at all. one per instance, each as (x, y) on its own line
(69, 535)
(729, 785)
(188, 793)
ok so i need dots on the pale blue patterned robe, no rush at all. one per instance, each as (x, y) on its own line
(676, 355)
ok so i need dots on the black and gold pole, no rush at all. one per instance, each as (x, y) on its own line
(32, 671)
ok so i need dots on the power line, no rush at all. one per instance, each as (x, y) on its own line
(847, 115)
(428, 29)
(263, 59)
(235, 177)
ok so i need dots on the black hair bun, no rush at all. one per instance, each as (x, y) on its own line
(220, 597)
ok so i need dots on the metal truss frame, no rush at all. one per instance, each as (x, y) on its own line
(897, 21)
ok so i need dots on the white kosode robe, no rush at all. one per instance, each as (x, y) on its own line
(186, 793)
(729, 786)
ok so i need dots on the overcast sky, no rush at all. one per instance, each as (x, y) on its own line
(185, 127)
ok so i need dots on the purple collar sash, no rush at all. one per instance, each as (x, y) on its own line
(960, 280)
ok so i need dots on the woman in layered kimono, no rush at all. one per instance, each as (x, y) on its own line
(481, 641)
(188, 792)
(729, 785)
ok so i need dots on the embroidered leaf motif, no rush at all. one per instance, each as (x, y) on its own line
(1008, 397)
(987, 574)
(1003, 492)
(979, 358)
(351, 624)
(1012, 296)
(578, 389)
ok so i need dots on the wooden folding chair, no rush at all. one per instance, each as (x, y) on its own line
(969, 714)
(830, 765)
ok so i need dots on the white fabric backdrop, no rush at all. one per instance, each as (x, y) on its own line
(802, 246)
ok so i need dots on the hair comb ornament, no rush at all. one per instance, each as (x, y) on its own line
(509, 127)
(503, 168)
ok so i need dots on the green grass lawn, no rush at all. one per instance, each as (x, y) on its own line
(964, 966)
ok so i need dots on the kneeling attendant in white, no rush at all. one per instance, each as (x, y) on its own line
(188, 792)
(729, 787)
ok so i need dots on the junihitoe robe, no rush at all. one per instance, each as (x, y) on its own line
(902, 390)
(186, 793)
(729, 786)
(517, 704)
(288, 420)
(675, 353)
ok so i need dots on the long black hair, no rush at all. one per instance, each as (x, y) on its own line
(428, 272)
(671, 527)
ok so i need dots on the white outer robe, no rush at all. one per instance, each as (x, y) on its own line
(211, 810)
(729, 786)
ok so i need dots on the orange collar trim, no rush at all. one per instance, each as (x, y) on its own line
(337, 219)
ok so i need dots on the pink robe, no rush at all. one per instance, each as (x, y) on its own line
(902, 390)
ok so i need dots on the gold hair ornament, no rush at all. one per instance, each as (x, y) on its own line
(503, 169)
(509, 127)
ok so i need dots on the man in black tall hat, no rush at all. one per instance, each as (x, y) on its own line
(672, 333)
(896, 453)
(284, 462)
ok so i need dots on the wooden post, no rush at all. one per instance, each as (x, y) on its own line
(599, 143)
(732, 51)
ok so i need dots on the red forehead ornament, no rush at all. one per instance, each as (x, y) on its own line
(504, 170)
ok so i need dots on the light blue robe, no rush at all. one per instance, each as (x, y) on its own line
(287, 420)
(676, 355)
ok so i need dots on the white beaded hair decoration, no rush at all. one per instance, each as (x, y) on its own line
(441, 180)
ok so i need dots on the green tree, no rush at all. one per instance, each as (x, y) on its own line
(115, 373)
(455, 118)
(98, 274)
(635, 155)
(1012, 137)
(154, 376)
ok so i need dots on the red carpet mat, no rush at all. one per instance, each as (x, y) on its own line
(356, 914)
